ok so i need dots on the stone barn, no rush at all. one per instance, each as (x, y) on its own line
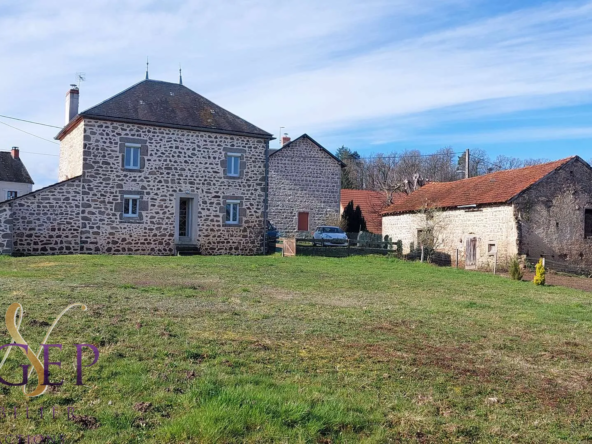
(538, 211)
(156, 169)
(304, 186)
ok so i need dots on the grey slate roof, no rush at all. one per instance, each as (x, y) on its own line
(306, 136)
(13, 170)
(153, 102)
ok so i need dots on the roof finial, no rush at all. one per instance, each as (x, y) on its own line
(147, 64)
(180, 75)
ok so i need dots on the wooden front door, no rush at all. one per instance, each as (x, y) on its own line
(302, 221)
(471, 253)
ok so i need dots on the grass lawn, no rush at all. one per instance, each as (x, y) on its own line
(304, 349)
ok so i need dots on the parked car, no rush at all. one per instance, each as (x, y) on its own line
(330, 236)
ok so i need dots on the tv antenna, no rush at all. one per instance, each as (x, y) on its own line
(80, 77)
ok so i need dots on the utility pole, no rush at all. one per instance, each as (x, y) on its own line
(467, 163)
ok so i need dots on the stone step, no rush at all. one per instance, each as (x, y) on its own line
(187, 250)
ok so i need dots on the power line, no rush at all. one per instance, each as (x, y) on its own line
(30, 134)
(29, 121)
(404, 156)
(40, 154)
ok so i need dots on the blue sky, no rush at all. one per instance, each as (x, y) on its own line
(512, 78)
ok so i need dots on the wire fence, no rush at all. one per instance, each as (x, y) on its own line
(559, 266)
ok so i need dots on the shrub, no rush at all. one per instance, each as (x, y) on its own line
(515, 271)
(399, 244)
(539, 277)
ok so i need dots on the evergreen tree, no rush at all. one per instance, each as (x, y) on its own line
(354, 221)
(348, 174)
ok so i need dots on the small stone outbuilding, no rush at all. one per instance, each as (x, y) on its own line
(304, 186)
(537, 211)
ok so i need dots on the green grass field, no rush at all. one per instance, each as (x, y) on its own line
(271, 349)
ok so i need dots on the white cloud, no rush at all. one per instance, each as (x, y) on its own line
(388, 69)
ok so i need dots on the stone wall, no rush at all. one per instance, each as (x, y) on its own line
(71, 154)
(6, 228)
(174, 163)
(495, 225)
(47, 221)
(303, 178)
(551, 216)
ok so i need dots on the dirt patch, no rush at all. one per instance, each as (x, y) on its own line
(560, 280)
(86, 422)
(142, 407)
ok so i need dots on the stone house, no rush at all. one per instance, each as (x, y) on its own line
(537, 211)
(156, 169)
(304, 186)
(14, 177)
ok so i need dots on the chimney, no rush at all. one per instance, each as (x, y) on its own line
(285, 139)
(72, 103)
(15, 152)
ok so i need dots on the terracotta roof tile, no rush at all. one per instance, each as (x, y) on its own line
(371, 203)
(498, 187)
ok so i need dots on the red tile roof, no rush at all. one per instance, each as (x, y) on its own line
(371, 203)
(495, 188)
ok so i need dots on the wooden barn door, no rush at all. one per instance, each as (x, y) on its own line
(471, 253)
(302, 221)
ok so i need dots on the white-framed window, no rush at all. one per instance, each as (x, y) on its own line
(233, 165)
(131, 206)
(232, 211)
(132, 156)
(11, 195)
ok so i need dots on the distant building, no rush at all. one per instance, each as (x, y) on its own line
(304, 186)
(15, 180)
(538, 211)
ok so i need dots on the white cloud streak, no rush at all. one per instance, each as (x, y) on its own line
(386, 69)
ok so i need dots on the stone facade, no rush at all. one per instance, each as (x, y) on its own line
(84, 214)
(551, 216)
(547, 219)
(175, 163)
(303, 177)
(6, 228)
(495, 225)
(71, 154)
(48, 220)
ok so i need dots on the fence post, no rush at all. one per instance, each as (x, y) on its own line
(495, 263)
(544, 262)
(422, 253)
(457, 258)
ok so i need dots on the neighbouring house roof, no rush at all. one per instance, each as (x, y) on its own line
(153, 102)
(306, 136)
(13, 170)
(372, 203)
(494, 188)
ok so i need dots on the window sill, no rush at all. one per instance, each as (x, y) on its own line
(132, 170)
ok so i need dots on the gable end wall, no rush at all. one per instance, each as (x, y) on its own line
(551, 216)
(303, 178)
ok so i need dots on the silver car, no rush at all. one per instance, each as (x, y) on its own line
(330, 236)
